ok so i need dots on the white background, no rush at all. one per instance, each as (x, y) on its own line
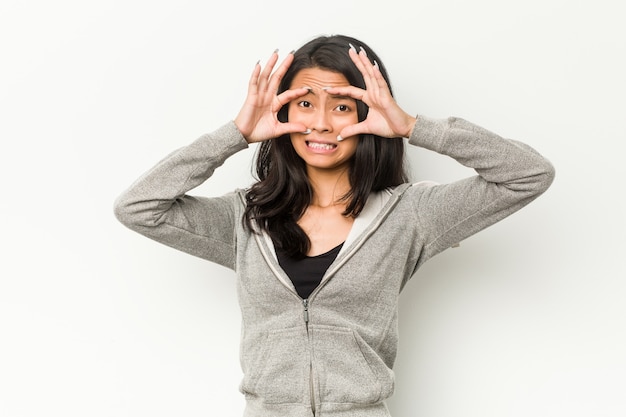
(524, 319)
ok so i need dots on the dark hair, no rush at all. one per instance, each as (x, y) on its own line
(280, 197)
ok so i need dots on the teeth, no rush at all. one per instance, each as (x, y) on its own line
(322, 146)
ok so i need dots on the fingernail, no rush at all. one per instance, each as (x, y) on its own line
(326, 88)
(276, 50)
(363, 50)
(376, 64)
(307, 132)
(339, 138)
(352, 47)
(293, 51)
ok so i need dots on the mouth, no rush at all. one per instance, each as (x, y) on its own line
(320, 146)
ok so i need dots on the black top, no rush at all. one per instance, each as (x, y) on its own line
(306, 273)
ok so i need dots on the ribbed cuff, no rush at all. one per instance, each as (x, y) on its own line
(429, 133)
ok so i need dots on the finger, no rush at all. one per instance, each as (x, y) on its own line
(367, 64)
(290, 127)
(267, 70)
(377, 88)
(348, 91)
(382, 88)
(253, 83)
(369, 73)
(356, 59)
(290, 95)
(352, 130)
(380, 80)
(280, 72)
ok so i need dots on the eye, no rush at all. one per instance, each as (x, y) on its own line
(343, 108)
(304, 103)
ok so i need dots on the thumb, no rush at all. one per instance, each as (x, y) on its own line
(290, 127)
(352, 130)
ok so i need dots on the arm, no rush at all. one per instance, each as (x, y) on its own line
(510, 175)
(157, 205)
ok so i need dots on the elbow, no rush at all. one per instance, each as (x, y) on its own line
(534, 181)
(122, 209)
(546, 178)
(135, 213)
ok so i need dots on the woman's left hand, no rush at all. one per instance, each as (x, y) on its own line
(385, 118)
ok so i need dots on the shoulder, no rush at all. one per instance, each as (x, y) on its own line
(410, 188)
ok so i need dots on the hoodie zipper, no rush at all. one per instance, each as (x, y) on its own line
(305, 313)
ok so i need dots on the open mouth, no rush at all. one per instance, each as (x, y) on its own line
(321, 146)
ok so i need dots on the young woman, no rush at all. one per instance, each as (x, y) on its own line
(324, 242)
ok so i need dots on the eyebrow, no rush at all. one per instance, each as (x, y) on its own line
(341, 97)
(334, 96)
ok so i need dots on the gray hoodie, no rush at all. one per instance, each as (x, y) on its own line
(332, 355)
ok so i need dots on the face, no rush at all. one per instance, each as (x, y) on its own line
(325, 115)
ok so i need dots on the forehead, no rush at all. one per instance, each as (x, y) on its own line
(318, 78)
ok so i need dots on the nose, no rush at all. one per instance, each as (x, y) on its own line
(321, 122)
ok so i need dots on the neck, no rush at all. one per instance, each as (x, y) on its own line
(328, 187)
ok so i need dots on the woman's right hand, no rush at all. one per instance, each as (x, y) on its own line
(258, 118)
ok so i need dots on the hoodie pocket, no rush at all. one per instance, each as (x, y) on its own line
(279, 368)
(347, 369)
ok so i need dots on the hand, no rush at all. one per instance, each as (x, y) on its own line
(258, 118)
(385, 118)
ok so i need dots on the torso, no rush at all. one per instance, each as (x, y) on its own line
(326, 227)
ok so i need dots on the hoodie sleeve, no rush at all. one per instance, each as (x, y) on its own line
(510, 175)
(157, 206)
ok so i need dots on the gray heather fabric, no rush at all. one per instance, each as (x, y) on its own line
(340, 362)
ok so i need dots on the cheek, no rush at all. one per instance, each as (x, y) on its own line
(346, 121)
(298, 142)
(293, 115)
(353, 150)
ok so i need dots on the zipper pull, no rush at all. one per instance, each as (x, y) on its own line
(306, 310)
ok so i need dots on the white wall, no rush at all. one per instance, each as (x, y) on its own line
(525, 319)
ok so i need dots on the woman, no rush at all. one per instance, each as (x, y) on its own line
(327, 238)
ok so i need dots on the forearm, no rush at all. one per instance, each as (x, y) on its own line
(155, 191)
(510, 163)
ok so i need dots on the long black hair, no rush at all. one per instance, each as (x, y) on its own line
(282, 193)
